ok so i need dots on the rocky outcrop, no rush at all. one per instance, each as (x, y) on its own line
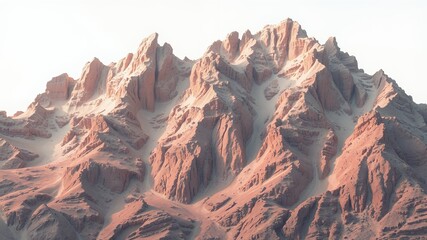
(18, 210)
(112, 177)
(343, 68)
(144, 222)
(149, 75)
(144, 63)
(315, 218)
(93, 73)
(36, 123)
(13, 157)
(46, 223)
(113, 133)
(295, 225)
(264, 222)
(78, 209)
(329, 150)
(324, 90)
(285, 41)
(167, 74)
(201, 139)
(59, 88)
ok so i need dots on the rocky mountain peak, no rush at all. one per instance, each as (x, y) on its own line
(145, 52)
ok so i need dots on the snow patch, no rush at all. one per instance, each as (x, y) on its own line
(48, 149)
(154, 125)
(264, 110)
(344, 123)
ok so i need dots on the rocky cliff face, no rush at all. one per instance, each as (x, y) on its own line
(271, 135)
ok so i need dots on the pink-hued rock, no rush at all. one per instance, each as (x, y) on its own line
(35, 123)
(149, 75)
(59, 88)
(89, 81)
(111, 177)
(166, 78)
(329, 150)
(13, 157)
(123, 64)
(323, 89)
(284, 40)
(143, 67)
(231, 44)
(57, 228)
(264, 222)
(199, 140)
(242, 78)
(150, 223)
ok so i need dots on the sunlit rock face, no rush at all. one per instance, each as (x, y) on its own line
(268, 135)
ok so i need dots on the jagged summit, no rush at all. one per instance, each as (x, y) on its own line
(271, 135)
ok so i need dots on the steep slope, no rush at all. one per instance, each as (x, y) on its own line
(267, 136)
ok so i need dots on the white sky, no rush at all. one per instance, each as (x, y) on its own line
(42, 39)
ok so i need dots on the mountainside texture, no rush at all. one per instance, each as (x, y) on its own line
(270, 135)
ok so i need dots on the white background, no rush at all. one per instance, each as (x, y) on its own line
(42, 39)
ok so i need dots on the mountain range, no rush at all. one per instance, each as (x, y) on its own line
(271, 135)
